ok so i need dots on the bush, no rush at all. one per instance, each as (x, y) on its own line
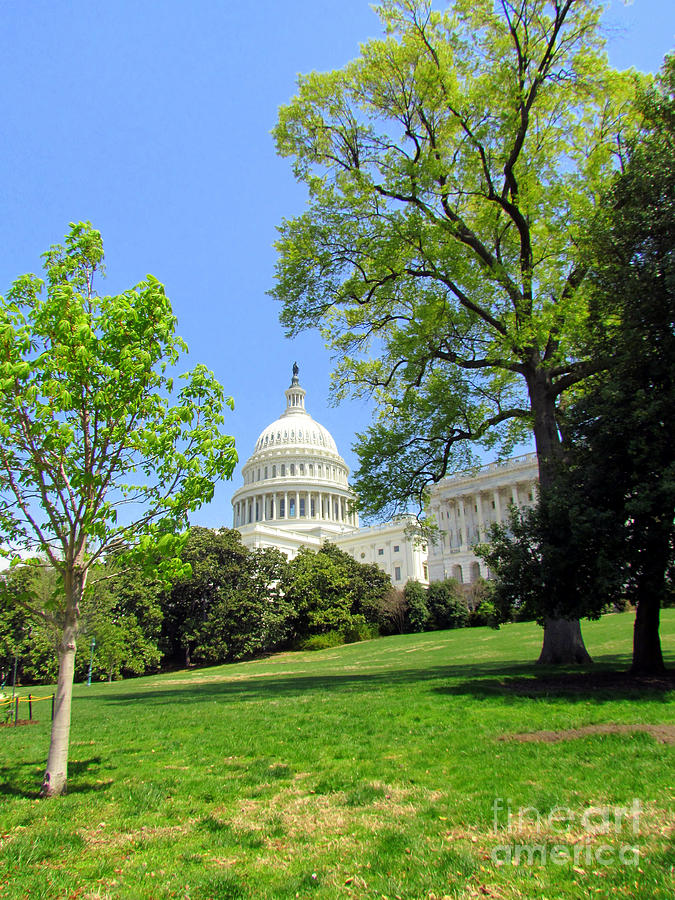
(484, 614)
(360, 631)
(323, 641)
(418, 617)
(447, 605)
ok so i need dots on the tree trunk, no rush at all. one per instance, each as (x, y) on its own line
(56, 774)
(651, 583)
(563, 642)
(55, 778)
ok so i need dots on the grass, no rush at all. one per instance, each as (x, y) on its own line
(365, 771)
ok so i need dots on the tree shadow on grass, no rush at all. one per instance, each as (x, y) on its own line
(23, 779)
(603, 682)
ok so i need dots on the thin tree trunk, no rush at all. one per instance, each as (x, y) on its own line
(55, 779)
(563, 642)
(56, 774)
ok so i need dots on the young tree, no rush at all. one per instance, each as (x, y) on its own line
(95, 456)
(452, 170)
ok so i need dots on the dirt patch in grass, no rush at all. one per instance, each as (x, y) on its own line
(664, 734)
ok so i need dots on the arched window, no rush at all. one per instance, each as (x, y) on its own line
(292, 468)
(274, 471)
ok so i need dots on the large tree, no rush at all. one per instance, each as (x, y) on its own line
(98, 453)
(604, 533)
(452, 170)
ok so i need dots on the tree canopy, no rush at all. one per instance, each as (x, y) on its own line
(99, 451)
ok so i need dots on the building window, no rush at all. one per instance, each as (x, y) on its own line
(311, 468)
(302, 507)
(302, 468)
(397, 549)
(380, 552)
(425, 572)
(265, 473)
(283, 469)
(282, 509)
(312, 508)
(292, 468)
(291, 508)
(397, 573)
(274, 471)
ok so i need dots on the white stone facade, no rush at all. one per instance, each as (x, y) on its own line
(464, 507)
(296, 494)
(391, 548)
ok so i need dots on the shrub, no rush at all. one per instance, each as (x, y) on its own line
(323, 641)
(447, 604)
(484, 614)
(418, 617)
(360, 631)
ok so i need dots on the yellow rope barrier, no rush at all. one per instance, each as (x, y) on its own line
(24, 700)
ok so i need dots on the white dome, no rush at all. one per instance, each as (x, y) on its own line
(298, 429)
(295, 478)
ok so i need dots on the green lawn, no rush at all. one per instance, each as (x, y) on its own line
(372, 770)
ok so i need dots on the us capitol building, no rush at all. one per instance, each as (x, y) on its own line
(296, 494)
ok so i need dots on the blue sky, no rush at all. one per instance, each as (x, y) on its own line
(152, 120)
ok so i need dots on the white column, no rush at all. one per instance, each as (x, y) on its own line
(285, 504)
(514, 494)
(462, 523)
(481, 524)
(498, 506)
(297, 505)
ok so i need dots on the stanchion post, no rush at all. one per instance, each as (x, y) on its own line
(16, 711)
(52, 707)
(30, 707)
